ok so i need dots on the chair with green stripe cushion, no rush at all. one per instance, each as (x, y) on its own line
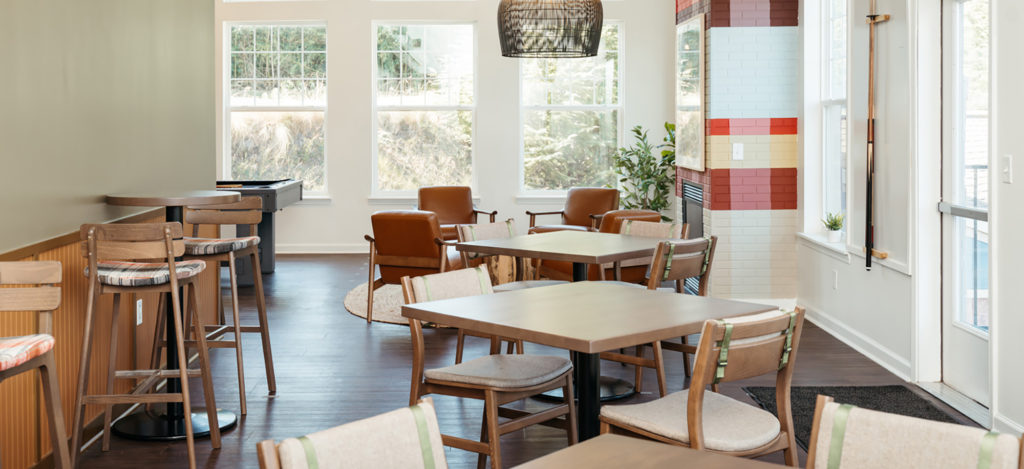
(406, 438)
(847, 437)
(495, 379)
(507, 273)
(730, 350)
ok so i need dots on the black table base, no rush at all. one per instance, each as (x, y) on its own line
(154, 426)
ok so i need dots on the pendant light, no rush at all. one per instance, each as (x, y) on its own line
(550, 28)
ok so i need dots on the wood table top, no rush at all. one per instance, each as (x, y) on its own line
(174, 198)
(586, 247)
(588, 317)
(615, 451)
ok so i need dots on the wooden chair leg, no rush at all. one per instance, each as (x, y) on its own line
(481, 458)
(605, 428)
(204, 368)
(638, 371)
(519, 346)
(659, 368)
(83, 374)
(237, 328)
(179, 345)
(460, 341)
(51, 397)
(158, 332)
(108, 409)
(371, 284)
(567, 394)
(686, 361)
(261, 311)
(493, 437)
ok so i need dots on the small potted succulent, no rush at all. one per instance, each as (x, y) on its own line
(834, 224)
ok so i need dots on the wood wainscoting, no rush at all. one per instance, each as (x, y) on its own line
(24, 437)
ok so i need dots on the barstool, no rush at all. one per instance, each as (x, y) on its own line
(248, 211)
(26, 353)
(107, 248)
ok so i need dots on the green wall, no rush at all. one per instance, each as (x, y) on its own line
(99, 97)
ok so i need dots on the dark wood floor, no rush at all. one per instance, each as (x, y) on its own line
(333, 368)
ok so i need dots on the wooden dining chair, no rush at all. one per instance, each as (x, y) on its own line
(673, 261)
(35, 289)
(213, 251)
(404, 438)
(111, 250)
(729, 350)
(583, 207)
(848, 437)
(495, 379)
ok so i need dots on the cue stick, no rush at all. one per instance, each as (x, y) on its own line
(869, 235)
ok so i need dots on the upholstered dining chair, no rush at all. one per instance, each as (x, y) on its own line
(408, 437)
(730, 350)
(405, 243)
(140, 258)
(848, 437)
(583, 207)
(453, 206)
(37, 290)
(494, 379)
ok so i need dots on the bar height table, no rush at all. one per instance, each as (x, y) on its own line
(154, 426)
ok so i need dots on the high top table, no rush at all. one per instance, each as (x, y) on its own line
(170, 425)
(582, 248)
(586, 318)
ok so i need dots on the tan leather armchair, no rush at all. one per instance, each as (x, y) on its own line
(583, 208)
(405, 243)
(453, 206)
(611, 222)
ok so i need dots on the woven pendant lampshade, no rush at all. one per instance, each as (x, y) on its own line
(550, 28)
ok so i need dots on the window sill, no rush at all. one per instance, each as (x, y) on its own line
(820, 243)
(403, 200)
(541, 199)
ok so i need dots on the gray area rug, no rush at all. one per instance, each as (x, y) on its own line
(891, 399)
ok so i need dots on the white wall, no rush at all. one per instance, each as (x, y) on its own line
(338, 225)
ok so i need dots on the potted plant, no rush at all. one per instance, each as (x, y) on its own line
(646, 180)
(834, 224)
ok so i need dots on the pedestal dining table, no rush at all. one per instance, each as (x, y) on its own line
(615, 451)
(169, 425)
(586, 318)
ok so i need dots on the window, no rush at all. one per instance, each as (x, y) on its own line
(278, 102)
(834, 121)
(424, 105)
(571, 118)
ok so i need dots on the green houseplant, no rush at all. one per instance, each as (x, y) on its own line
(834, 224)
(646, 179)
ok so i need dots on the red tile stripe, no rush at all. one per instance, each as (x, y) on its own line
(738, 13)
(753, 189)
(773, 126)
(785, 12)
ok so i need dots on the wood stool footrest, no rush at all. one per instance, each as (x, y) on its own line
(104, 399)
(213, 343)
(535, 418)
(516, 413)
(464, 444)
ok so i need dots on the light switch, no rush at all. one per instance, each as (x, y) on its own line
(737, 151)
(1007, 170)
(138, 312)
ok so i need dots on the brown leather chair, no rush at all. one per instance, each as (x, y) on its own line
(611, 222)
(583, 208)
(405, 243)
(453, 206)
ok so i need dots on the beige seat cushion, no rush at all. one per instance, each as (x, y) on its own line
(523, 285)
(210, 246)
(503, 371)
(729, 425)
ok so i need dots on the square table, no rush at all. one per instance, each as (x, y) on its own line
(586, 318)
(615, 451)
(579, 247)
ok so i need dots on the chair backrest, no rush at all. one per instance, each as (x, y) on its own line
(582, 202)
(847, 437)
(36, 289)
(407, 437)
(680, 260)
(653, 229)
(406, 243)
(443, 286)
(484, 231)
(131, 241)
(248, 211)
(452, 204)
(611, 222)
(744, 347)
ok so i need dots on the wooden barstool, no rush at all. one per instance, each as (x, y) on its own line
(215, 250)
(107, 247)
(39, 293)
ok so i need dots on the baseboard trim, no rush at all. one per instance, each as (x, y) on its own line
(865, 345)
(1002, 423)
(357, 248)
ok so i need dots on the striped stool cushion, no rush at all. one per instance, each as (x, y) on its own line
(208, 246)
(17, 350)
(141, 274)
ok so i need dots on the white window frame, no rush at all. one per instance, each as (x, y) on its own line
(228, 108)
(620, 107)
(375, 190)
(827, 102)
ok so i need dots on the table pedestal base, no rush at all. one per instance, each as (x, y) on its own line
(155, 426)
(612, 389)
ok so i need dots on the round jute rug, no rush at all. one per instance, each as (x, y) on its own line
(387, 303)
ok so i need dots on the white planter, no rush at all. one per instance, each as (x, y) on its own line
(835, 236)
